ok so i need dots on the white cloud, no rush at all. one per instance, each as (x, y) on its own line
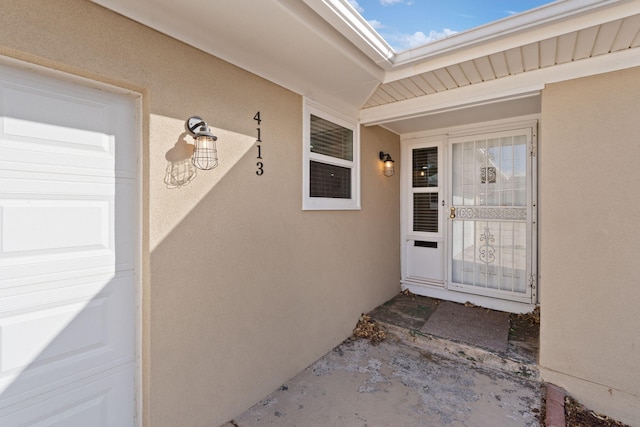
(376, 24)
(408, 41)
(356, 6)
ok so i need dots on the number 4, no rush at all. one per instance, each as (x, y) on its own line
(257, 118)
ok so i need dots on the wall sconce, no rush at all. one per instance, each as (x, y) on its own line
(205, 154)
(388, 164)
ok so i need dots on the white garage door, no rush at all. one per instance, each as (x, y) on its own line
(68, 250)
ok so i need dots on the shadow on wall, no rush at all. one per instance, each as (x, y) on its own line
(180, 169)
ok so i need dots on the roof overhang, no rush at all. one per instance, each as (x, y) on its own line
(284, 41)
(499, 70)
(325, 50)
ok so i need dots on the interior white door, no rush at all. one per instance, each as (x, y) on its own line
(491, 211)
(68, 196)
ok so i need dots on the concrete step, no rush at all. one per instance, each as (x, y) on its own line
(462, 352)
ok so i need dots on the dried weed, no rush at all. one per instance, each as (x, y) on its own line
(367, 328)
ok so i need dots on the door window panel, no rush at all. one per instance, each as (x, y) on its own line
(425, 167)
(426, 190)
(425, 212)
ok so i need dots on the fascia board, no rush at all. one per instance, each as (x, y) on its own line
(520, 30)
(513, 87)
(342, 16)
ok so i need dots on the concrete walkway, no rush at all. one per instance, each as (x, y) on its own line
(410, 379)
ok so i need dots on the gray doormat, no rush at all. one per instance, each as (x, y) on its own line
(475, 326)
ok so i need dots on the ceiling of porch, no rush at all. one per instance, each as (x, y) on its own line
(596, 40)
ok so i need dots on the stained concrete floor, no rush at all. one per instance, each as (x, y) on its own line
(411, 379)
(473, 326)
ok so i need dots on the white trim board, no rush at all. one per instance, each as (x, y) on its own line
(460, 297)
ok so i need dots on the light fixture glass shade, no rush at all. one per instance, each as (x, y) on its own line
(387, 164)
(388, 168)
(205, 153)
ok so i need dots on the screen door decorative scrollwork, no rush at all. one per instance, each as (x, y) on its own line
(491, 214)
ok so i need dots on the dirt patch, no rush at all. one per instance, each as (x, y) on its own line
(524, 336)
(576, 415)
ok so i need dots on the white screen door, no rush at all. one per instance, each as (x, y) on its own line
(491, 215)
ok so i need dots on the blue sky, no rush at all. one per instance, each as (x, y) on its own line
(409, 23)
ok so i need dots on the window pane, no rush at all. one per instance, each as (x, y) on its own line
(425, 212)
(331, 139)
(329, 181)
(425, 167)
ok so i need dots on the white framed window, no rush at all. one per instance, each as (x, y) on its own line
(331, 160)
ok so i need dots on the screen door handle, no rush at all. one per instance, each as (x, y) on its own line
(453, 213)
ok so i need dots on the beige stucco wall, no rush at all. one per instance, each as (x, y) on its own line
(589, 234)
(241, 288)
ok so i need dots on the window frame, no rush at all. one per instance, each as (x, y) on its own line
(439, 190)
(324, 203)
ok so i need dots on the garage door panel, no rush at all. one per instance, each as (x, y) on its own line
(40, 236)
(24, 271)
(51, 138)
(68, 190)
(54, 334)
(42, 293)
(91, 331)
(15, 159)
(20, 183)
(39, 151)
(47, 122)
(33, 226)
(87, 403)
(53, 120)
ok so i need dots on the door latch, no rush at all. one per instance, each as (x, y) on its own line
(453, 213)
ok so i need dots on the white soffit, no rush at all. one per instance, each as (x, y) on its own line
(283, 41)
(414, 113)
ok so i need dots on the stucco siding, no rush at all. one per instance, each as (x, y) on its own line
(589, 235)
(241, 288)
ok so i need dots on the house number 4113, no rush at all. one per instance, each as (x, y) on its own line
(259, 164)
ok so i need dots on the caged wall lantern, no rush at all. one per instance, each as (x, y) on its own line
(205, 153)
(388, 164)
